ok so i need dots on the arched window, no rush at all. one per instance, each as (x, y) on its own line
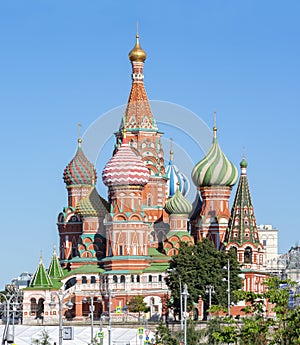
(40, 309)
(137, 278)
(33, 305)
(74, 251)
(83, 279)
(132, 278)
(150, 278)
(93, 280)
(115, 279)
(122, 279)
(152, 236)
(160, 278)
(149, 200)
(248, 255)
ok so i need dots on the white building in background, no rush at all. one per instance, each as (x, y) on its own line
(22, 281)
(268, 236)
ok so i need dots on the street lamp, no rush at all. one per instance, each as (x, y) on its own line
(60, 296)
(180, 294)
(209, 289)
(109, 295)
(185, 294)
(228, 285)
(7, 336)
(92, 309)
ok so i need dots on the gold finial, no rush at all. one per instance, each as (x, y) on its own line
(215, 124)
(41, 256)
(177, 186)
(54, 249)
(137, 28)
(137, 53)
(79, 134)
(171, 149)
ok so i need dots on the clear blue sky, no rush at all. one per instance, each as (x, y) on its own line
(64, 62)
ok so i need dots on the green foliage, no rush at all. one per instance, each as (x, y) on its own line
(194, 337)
(200, 265)
(222, 331)
(164, 336)
(257, 329)
(44, 339)
(137, 304)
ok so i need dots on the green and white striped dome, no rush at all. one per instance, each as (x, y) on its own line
(215, 169)
(178, 204)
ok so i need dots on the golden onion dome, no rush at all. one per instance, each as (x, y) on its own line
(137, 53)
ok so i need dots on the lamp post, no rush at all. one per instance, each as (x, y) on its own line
(92, 309)
(7, 336)
(228, 285)
(209, 289)
(109, 295)
(180, 292)
(185, 294)
(60, 296)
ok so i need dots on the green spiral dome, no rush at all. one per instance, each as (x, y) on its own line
(178, 204)
(215, 169)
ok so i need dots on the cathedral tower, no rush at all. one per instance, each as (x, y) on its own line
(144, 137)
(242, 234)
(127, 233)
(80, 225)
(214, 176)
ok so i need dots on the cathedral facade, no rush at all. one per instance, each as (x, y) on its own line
(114, 248)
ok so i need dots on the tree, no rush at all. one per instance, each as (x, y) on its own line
(44, 339)
(201, 265)
(164, 336)
(137, 305)
(194, 337)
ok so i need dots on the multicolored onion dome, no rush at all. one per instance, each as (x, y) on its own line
(80, 171)
(178, 204)
(214, 169)
(125, 168)
(175, 177)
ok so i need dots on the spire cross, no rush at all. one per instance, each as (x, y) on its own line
(171, 149)
(137, 29)
(79, 133)
(41, 256)
(215, 124)
(79, 130)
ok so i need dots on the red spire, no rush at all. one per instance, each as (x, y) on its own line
(138, 114)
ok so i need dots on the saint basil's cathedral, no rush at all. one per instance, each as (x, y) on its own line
(122, 246)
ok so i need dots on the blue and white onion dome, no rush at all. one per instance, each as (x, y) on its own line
(176, 179)
(215, 169)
